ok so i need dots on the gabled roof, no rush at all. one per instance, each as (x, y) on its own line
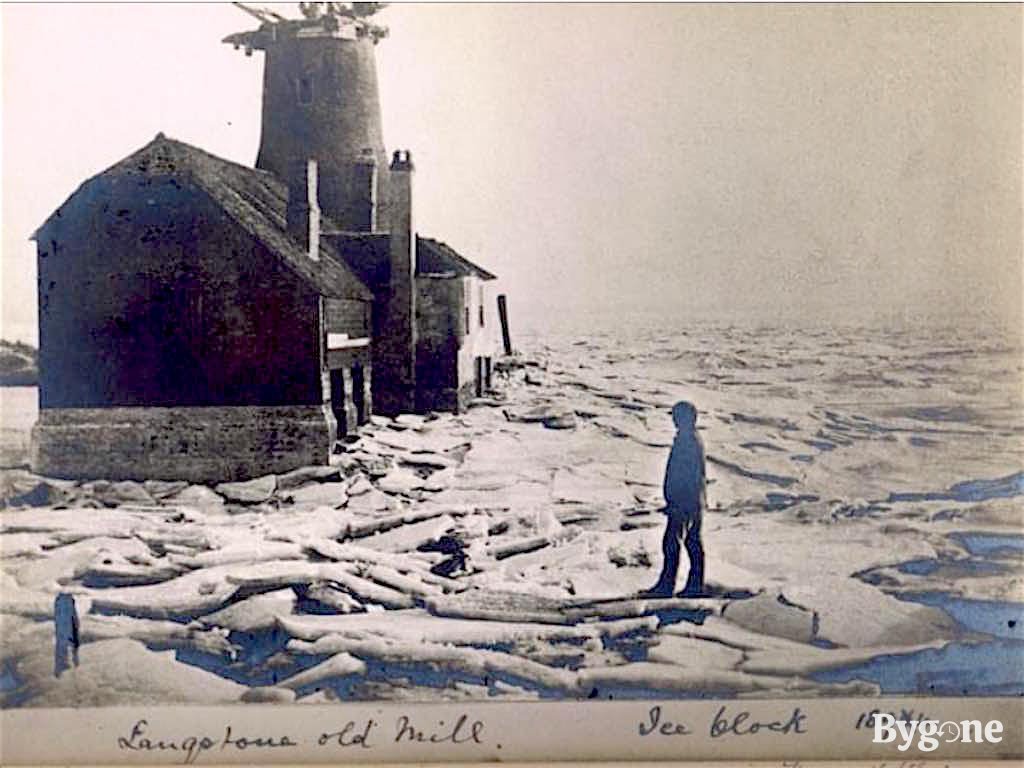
(255, 199)
(366, 253)
(435, 257)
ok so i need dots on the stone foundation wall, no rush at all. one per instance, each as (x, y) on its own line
(203, 445)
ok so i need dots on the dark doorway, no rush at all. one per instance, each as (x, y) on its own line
(359, 393)
(338, 400)
(479, 376)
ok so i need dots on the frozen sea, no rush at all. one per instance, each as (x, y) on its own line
(864, 536)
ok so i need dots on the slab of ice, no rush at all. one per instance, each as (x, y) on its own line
(164, 634)
(473, 661)
(319, 494)
(400, 481)
(806, 661)
(370, 501)
(430, 460)
(671, 678)
(34, 604)
(358, 485)
(249, 491)
(304, 475)
(591, 487)
(35, 492)
(858, 615)
(703, 654)
(124, 673)
(301, 526)
(268, 695)
(22, 544)
(69, 524)
(161, 489)
(719, 630)
(632, 428)
(286, 573)
(354, 553)
(365, 589)
(118, 572)
(252, 551)
(253, 614)
(334, 597)
(418, 625)
(64, 564)
(198, 496)
(339, 665)
(407, 584)
(770, 613)
(405, 537)
(124, 492)
(193, 594)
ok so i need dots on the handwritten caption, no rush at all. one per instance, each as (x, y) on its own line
(361, 734)
(404, 729)
(463, 730)
(726, 722)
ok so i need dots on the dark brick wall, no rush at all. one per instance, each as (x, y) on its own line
(347, 316)
(340, 118)
(150, 294)
(439, 307)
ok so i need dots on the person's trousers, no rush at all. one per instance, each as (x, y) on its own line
(682, 526)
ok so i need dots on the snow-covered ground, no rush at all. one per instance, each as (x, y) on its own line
(864, 536)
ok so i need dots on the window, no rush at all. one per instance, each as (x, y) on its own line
(306, 89)
(468, 326)
(481, 314)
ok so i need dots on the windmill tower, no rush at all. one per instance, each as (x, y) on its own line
(321, 102)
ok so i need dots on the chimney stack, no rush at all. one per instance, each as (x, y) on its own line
(400, 219)
(394, 361)
(365, 205)
(303, 213)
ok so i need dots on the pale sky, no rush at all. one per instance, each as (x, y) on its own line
(781, 163)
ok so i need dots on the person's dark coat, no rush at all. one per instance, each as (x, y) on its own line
(684, 476)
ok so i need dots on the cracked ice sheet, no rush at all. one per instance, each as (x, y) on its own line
(192, 594)
(71, 523)
(814, 569)
(123, 673)
(584, 564)
(673, 678)
(416, 625)
(809, 660)
(855, 614)
(66, 563)
(587, 485)
(254, 613)
(774, 546)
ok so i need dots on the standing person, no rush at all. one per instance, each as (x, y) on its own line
(685, 499)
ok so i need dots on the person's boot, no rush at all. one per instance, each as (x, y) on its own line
(661, 589)
(694, 584)
(666, 583)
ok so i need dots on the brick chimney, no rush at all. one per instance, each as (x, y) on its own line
(303, 213)
(395, 351)
(364, 198)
